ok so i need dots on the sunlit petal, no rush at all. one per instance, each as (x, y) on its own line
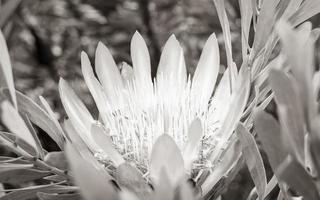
(109, 75)
(206, 73)
(76, 110)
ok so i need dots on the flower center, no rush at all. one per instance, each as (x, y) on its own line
(167, 110)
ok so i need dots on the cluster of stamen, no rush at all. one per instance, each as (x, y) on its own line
(135, 126)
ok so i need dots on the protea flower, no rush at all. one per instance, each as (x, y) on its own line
(172, 119)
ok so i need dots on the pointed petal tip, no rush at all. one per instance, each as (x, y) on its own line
(101, 47)
(212, 36)
(63, 84)
(100, 44)
(61, 80)
(212, 39)
(84, 58)
(173, 38)
(137, 35)
(137, 40)
(172, 43)
(83, 54)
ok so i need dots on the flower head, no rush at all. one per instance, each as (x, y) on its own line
(135, 110)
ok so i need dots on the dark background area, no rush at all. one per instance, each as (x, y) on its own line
(45, 39)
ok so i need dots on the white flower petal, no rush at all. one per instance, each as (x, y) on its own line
(221, 98)
(206, 73)
(104, 142)
(237, 104)
(195, 133)
(94, 87)
(92, 181)
(166, 156)
(127, 73)
(109, 75)
(170, 86)
(141, 62)
(76, 138)
(75, 109)
(172, 64)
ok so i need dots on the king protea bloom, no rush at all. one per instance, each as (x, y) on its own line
(191, 119)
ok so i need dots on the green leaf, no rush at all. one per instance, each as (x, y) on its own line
(31, 192)
(40, 150)
(55, 178)
(294, 174)
(253, 159)
(7, 10)
(11, 118)
(10, 166)
(93, 183)
(307, 9)
(129, 177)
(269, 134)
(298, 47)
(1, 190)
(290, 110)
(6, 78)
(221, 10)
(213, 191)
(229, 161)
(286, 9)
(48, 196)
(271, 184)
(265, 23)
(246, 17)
(15, 175)
(51, 113)
(237, 105)
(314, 150)
(14, 160)
(166, 156)
(15, 143)
(57, 159)
(39, 117)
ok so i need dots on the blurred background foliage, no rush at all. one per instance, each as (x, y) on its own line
(45, 39)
